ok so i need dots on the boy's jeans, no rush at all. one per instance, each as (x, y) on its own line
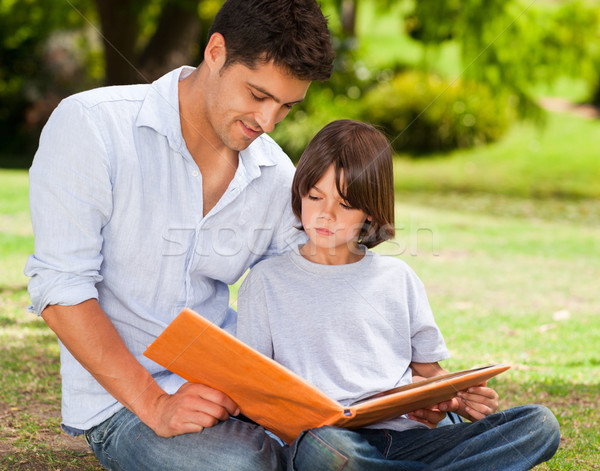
(515, 439)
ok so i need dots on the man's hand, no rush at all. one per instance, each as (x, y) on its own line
(192, 408)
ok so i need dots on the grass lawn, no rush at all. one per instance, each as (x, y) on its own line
(506, 240)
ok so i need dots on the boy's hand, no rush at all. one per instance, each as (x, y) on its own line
(478, 402)
(432, 415)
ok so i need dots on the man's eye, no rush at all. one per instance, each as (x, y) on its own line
(257, 98)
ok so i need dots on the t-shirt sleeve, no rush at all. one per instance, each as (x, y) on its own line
(70, 201)
(253, 326)
(427, 342)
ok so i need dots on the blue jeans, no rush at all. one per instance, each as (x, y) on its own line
(515, 439)
(124, 443)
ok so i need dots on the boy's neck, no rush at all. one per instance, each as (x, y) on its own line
(333, 256)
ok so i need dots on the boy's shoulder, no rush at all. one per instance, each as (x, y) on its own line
(389, 261)
(272, 264)
(392, 267)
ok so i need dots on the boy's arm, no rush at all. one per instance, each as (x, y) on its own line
(473, 404)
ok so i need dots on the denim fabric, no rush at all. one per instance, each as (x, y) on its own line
(512, 440)
(123, 442)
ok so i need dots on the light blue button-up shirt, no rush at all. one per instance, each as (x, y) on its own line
(116, 205)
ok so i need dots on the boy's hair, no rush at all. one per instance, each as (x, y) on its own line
(291, 33)
(362, 159)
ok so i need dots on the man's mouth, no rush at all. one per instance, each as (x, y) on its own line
(250, 132)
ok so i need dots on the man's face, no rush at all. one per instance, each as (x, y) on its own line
(243, 102)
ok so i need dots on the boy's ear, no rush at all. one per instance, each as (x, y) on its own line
(215, 52)
(370, 218)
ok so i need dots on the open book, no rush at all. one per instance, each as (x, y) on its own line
(275, 397)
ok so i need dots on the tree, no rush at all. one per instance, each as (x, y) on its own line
(131, 58)
(50, 49)
(513, 45)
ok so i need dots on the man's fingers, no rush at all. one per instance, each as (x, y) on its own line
(212, 396)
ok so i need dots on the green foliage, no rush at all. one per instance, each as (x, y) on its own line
(512, 45)
(423, 113)
(45, 53)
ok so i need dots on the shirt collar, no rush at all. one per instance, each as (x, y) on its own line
(160, 111)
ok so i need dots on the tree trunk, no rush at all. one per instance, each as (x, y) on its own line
(176, 41)
(119, 20)
(348, 17)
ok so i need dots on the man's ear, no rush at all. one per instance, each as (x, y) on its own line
(215, 52)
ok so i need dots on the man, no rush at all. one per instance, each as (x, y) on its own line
(149, 198)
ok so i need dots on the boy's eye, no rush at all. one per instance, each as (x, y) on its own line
(313, 198)
(256, 97)
(346, 206)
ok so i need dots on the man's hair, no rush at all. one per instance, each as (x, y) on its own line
(291, 33)
(362, 159)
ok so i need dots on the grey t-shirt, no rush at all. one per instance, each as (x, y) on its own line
(350, 330)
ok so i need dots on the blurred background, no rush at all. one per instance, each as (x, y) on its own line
(436, 75)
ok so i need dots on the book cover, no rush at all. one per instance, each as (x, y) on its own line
(277, 398)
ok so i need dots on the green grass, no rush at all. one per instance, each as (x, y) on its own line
(559, 160)
(510, 259)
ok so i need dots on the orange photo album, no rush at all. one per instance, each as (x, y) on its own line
(277, 398)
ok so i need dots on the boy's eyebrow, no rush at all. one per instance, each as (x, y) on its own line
(271, 96)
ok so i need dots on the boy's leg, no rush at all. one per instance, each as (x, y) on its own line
(123, 442)
(515, 439)
(334, 448)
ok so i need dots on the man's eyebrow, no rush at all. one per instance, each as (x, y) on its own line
(271, 96)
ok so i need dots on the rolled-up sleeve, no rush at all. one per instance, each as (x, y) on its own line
(70, 202)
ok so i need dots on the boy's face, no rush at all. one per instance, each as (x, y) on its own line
(331, 224)
(243, 103)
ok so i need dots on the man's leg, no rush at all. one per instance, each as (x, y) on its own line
(124, 443)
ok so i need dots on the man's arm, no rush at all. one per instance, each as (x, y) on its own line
(92, 339)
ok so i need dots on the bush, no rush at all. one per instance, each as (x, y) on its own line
(422, 113)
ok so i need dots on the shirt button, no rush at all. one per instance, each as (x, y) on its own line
(195, 173)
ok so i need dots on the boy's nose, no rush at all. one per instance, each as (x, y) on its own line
(327, 212)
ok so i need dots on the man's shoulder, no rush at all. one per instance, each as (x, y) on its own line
(106, 95)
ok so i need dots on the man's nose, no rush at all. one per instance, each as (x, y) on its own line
(267, 116)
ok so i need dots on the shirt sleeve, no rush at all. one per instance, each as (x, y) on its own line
(253, 326)
(70, 201)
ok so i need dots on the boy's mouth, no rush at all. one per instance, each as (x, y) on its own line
(323, 231)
